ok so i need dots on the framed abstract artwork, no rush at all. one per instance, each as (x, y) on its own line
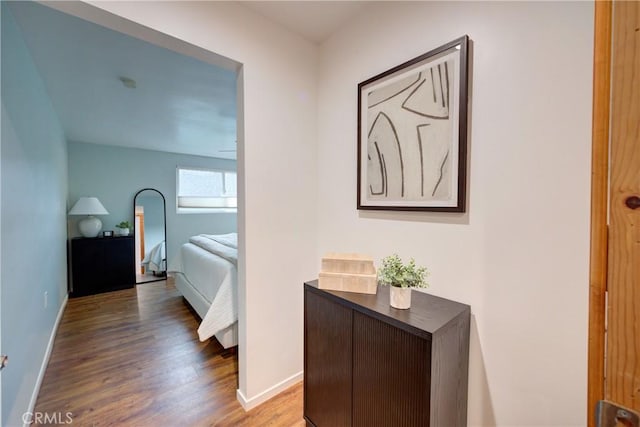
(412, 133)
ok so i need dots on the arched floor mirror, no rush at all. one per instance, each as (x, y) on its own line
(150, 231)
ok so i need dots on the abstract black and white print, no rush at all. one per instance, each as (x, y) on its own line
(409, 136)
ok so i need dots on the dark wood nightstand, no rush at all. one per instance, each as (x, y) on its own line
(101, 264)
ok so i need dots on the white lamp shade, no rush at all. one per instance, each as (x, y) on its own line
(88, 206)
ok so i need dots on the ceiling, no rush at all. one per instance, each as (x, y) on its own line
(313, 20)
(179, 104)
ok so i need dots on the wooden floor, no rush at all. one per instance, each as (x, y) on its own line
(132, 358)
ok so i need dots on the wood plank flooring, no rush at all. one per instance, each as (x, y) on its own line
(132, 358)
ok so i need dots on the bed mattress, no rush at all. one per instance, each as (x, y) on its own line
(205, 271)
(209, 284)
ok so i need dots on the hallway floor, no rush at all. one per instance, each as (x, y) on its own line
(132, 358)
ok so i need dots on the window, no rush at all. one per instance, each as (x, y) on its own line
(205, 190)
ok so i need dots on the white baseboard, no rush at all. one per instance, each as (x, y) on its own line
(47, 356)
(249, 404)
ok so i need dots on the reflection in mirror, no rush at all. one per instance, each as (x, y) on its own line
(150, 233)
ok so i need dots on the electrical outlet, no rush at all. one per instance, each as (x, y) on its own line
(46, 299)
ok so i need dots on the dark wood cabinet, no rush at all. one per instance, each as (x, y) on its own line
(368, 364)
(101, 265)
(327, 335)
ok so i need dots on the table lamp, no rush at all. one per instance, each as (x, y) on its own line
(89, 226)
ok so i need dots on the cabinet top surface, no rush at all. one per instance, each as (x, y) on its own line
(428, 313)
(102, 238)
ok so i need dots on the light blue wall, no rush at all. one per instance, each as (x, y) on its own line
(115, 174)
(33, 194)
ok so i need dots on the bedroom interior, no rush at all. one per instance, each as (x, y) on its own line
(127, 149)
(518, 256)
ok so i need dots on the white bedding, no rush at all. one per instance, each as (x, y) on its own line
(215, 247)
(214, 278)
(230, 239)
(205, 271)
(155, 259)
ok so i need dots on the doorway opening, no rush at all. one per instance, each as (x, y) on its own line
(118, 157)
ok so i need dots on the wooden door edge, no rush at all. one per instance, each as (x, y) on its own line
(599, 202)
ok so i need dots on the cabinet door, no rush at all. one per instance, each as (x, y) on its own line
(87, 260)
(327, 370)
(120, 268)
(391, 375)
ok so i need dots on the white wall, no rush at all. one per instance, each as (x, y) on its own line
(276, 159)
(33, 196)
(519, 256)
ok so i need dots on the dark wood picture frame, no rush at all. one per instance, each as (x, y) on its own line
(412, 133)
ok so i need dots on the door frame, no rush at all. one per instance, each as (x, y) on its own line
(599, 205)
(613, 373)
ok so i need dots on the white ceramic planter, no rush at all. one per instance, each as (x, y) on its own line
(400, 297)
(124, 231)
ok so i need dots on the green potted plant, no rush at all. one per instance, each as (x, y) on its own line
(124, 227)
(401, 277)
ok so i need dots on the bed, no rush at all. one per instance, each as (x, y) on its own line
(207, 275)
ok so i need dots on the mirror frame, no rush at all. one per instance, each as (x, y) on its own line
(166, 249)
